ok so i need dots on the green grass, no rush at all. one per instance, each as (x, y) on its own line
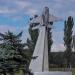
(19, 73)
(62, 69)
(73, 71)
(51, 69)
(57, 69)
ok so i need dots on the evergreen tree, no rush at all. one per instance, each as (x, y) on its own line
(13, 55)
(50, 41)
(68, 39)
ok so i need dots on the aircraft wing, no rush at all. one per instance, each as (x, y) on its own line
(36, 20)
(53, 18)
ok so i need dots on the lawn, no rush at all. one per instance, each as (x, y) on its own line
(52, 69)
(73, 71)
(19, 73)
(62, 69)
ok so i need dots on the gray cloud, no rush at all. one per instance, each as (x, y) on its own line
(58, 47)
(5, 28)
(58, 7)
(15, 9)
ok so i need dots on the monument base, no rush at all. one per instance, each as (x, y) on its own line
(53, 73)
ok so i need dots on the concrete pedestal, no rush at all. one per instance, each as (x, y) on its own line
(53, 73)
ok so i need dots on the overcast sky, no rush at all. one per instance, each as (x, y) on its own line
(15, 14)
